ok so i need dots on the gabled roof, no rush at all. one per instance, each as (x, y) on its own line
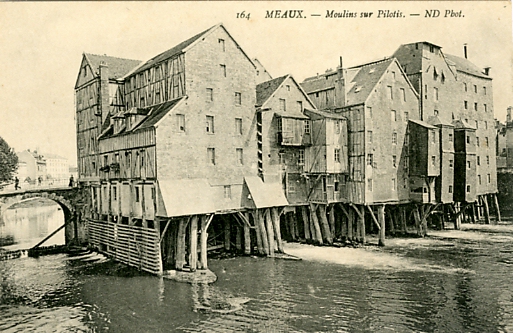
(265, 90)
(436, 121)
(464, 65)
(462, 124)
(422, 123)
(365, 80)
(118, 67)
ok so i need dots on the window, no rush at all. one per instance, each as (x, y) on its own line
(180, 122)
(435, 112)
(477, 124)
(223, 70)
(468, 139)
(210, 124)
(425, 91)
(390, 92)
(468, 188)
(479, 179)
(487, 159)
(221, 43)
(336, 186)
(114, 192)
(393, 115)
(450, 137)
(393, 75)
(433, 160)
(300, 106)
(394, 138)
(403, 94)
(406, 116)
(369, 184)
(291, 186)
(369, 136)
(465, 105)
(475, 88)
(486, 125)
(475, 106)
(137, 194)
(301, 157)
(240, 156)
(431, 48)
(288, 87)
(370, 159)
(324, 185)
(435, 93)
(337, 127)
(238, 126)
(238, 98)
(479, 160)
(393, 184)
(484, 90)
(283, 104)
(450, 188)
(105, 160)
(465, 86)
(433, 136)
(337, 155)
(468, 164)
(477, 141)
(227, 191)
(486, 142)
(394, 161)
(489, 178)
(443, 78)
(369, 111)
(485, 108)
(306, 125)
(210, 94)
(451, 163)
(211, 156)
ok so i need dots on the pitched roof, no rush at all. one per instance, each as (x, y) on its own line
(265, 89)
(436, 121)
(422, 123)
(320, 82)
(462, 124)
(171, 52)
(118, 67)
(464, 65)
(363, 83)
(156, 112)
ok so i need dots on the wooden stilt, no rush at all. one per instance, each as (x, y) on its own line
(331, 220)
(416, 216)
(392, 218)
(227, 233)
(381, 219)
(203, 243)
(497, 209)
(263, 231)
(403, 220)
(270, 230)
(325, 228)
(362, 225)
(247, 236)
(344, 223)
(276, 224)
(238, 238)
(358, 235)
(474, 217)
(180, 245)
(350, 224)
(486, 209)
(306, 223)
(193, 243)
(315, 222)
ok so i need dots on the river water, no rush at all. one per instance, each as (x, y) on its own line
(452, 281)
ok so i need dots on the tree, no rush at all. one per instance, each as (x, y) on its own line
(8, 161)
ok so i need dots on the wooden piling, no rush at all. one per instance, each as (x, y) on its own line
(203, 243)
(315, 222)
(325, 228)
(362, 225)
(180, 245)
(350, 224)
(497, 209)
(277, 231)
(247, 235)
(306, 223)
(263, 231)
(270, 231)
(381, 220)
(238, 238)
(193, 243)
(227, 233)
(486, 209)
(331, 220)
(293, 224)
(343, 228)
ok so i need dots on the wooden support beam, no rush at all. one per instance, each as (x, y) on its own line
(238, 238)
(343, 227)
(260, 244)
(227, 234)
(362, 225)
(331, 219)
(497, 209)
(277, 231)
(374, 217)
(247, 235)
(381, 219)
(193, 243)
(403, 220)
(416, 216)
(263, 231)
(180, 245)
(325, 228)
(315, 221)
(306, 222)
(486, 209)
(244, 218)
(203, 242)
(165, 229)
(293, 223)
(270, 230)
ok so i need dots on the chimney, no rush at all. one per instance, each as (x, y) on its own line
(465, 50)
(340, 86)
(487, 70)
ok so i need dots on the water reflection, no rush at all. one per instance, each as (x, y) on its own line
(24, 225)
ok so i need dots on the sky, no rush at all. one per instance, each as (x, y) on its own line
(41, 46)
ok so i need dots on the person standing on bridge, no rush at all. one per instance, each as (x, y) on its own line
(16, 183)
(71, 181)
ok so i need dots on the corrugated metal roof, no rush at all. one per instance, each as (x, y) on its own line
(182, 197)
(464, 65)
(118, 67)
(265, 195)
(265, 89)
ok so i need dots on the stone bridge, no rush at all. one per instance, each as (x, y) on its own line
(72, 200)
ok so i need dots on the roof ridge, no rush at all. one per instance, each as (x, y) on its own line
(104, 55)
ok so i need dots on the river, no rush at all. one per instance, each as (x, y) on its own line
(452, 281)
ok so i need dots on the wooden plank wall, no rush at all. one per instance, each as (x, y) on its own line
(162, 82)
(135, 246)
